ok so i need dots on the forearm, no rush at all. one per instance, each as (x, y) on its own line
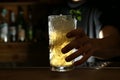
(109, 42)
(109, 45)
(107, 53)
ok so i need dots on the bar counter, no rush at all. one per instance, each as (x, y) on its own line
(46, 74)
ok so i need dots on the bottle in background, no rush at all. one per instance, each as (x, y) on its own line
(3, 26)
(12, 27)
(21, 25)
(30, 25)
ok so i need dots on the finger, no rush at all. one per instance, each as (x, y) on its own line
(88, 51)
(76, 43)
(76, 32)
(81, 51)
(74, 55)
(83, 59)
(69, 46)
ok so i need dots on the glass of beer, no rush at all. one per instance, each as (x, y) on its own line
(59, 26)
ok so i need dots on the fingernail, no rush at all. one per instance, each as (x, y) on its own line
(67, 59)
(68, 35)
(63, 51)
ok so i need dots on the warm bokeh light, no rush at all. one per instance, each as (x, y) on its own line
(101, 34)
(76, 0)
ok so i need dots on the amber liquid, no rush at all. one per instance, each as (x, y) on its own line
(59, 26)
(57, 42)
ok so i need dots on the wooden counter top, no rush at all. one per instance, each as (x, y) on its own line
(46, 74)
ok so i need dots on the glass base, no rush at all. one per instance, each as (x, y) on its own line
(61, 69)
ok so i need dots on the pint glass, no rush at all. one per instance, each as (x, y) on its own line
(58, 26)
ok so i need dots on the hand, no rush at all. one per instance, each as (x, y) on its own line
(82, 43)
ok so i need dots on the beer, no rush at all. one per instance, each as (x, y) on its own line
(21, 25)
(12, 27)
(59, 26)
(57, 42)
(3, 26)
